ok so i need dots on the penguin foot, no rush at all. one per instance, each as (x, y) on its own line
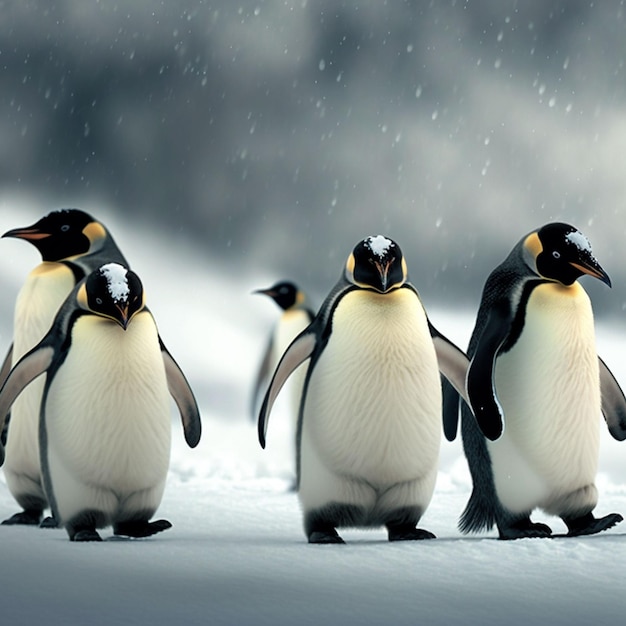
(29, 517)
(49, 522)
(86, 535)
(407, 532)
(325, 536)
(524, 529)
(140, 528)
(590, 525)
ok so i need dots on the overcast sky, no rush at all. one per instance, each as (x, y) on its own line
(278, 134)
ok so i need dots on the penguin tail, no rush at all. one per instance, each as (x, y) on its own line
(478, 515)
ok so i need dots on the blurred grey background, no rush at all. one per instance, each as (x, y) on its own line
(275, 135)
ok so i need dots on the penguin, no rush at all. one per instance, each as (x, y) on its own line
(296, 316)
(104, 424)
(369, 427)
(72, 244)
(536, 387)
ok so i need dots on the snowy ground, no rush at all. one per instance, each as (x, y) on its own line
(236, 553)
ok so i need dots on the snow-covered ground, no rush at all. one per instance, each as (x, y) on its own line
(236, 553)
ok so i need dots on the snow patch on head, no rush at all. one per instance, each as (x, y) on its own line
(579, 240)
(379, 245)
(117, 281)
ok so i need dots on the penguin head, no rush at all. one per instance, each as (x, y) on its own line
(284, 293)
(376, 263)
(561, 253)
(63, 234)
(113, 292)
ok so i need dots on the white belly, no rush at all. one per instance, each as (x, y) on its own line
(108, 409)
(373, 406)
(43, 292)
(548, 385)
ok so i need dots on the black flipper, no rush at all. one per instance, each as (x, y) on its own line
(481, 389)
(262, 378)
(613, 403)
(31, 365)
(6, 366)
(184, 398)
(453, 362)
(300, 349)
(450, 409)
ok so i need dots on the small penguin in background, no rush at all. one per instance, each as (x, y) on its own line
(370, 417)
(72, 244)
(105, 428)
(537, 388)
(296, 316)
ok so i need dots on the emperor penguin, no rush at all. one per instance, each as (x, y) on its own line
(71, 243)
(537, 389)
(369, 427)
(104, 426)
(296, 316)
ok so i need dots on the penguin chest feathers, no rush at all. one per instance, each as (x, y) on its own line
(373, 406)
(291, 323)
(41, 295)
(549, 387)
(107, 410)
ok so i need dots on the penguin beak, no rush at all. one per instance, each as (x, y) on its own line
(30, 234)
(265, 292)
(122, 319)
(592, 268)
(383, 273)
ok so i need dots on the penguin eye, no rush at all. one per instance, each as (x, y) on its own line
(98, 301)
(556, 254)
(65, 228)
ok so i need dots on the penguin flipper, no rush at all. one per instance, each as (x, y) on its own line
(31, 365)
(613, 403)
(453, 362)
(481, 388)
(6, 365)
(300, 349)
(451, 403)
(262, 378)
(183, 396)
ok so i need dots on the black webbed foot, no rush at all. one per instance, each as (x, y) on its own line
(140, 528)
(325, 536)
(590, 525)
(524, 529)
(407, 532)
(85, 535)
(49, 522)
(29, 517)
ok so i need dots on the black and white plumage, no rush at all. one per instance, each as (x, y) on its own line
(537, 389)
(370, 417)
(295, 317)
(104, 424)
(71, 243)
